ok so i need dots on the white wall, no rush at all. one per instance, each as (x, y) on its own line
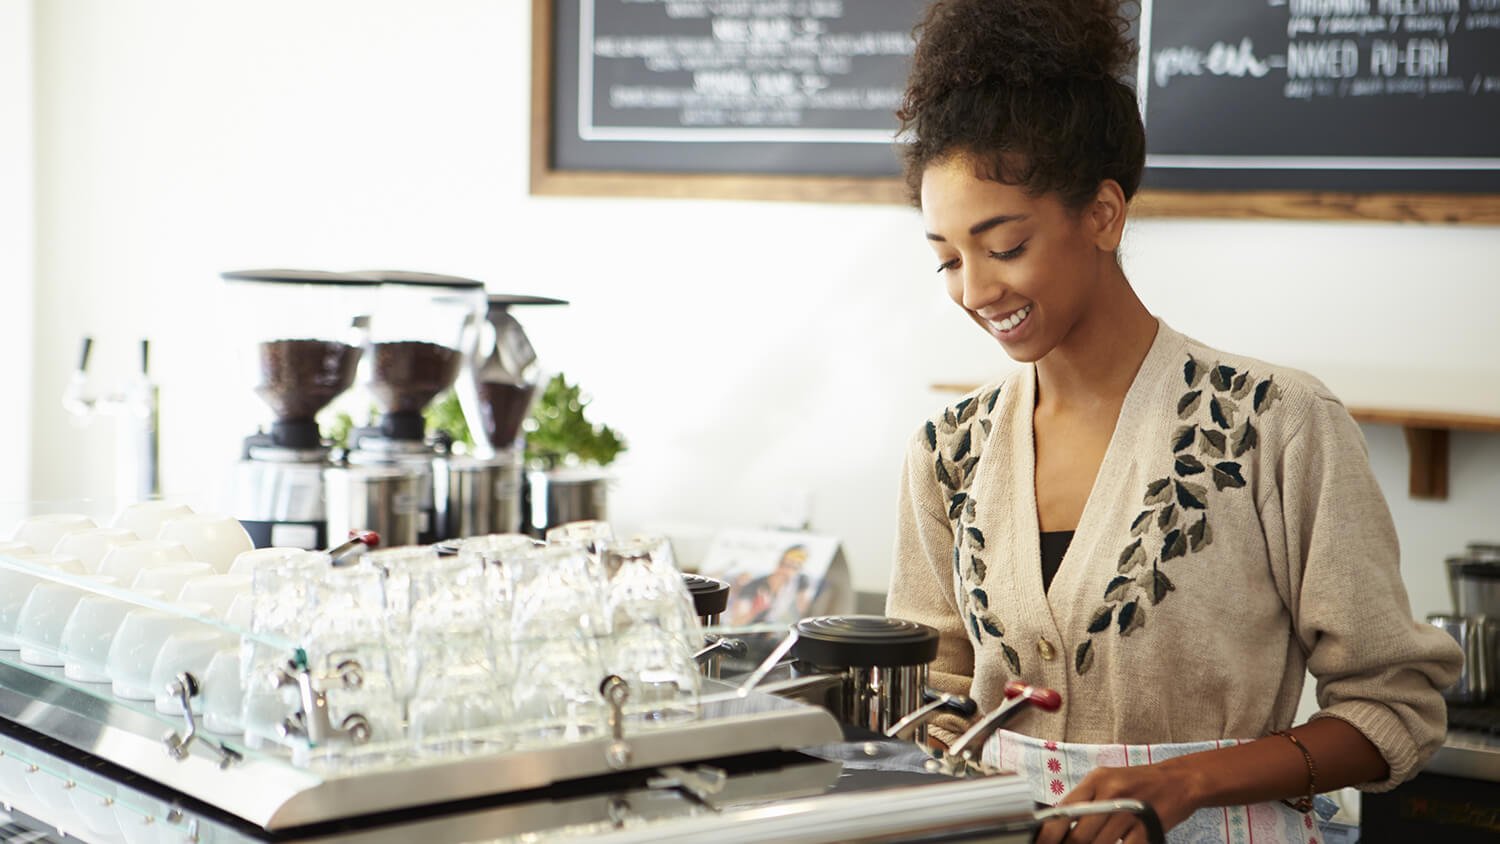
(747, 350)
(17, 244)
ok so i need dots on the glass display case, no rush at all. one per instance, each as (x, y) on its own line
(160, 680)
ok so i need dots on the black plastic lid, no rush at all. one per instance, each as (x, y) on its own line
(842, 641)
(710, 595)
(507, 299)
(403, 425)
(296, 433)
(1480, 571)
(417, 279)
(300, 277)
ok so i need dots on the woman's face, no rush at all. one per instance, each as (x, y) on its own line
(1022, 267)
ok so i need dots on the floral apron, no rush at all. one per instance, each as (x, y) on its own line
(1054, 768)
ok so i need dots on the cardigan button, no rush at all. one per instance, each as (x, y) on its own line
(1046, 649)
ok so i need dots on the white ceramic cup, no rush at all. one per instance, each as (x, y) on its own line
(246, 562)
(145, 518)
(43, 532)
(185, 651)
(241, 611)
(40, 625)
(169, 578)
(123, 562)
(90, 546)
(217, 590)
(209, 537)
(137, 643)
(223, 693)
(16, 587)
(87, 634)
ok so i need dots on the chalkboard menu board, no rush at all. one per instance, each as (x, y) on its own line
(1357, 96)
(755, 86)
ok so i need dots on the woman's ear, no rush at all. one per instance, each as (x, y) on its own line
(1106, 215)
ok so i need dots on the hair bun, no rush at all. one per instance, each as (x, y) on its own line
(1025, 42)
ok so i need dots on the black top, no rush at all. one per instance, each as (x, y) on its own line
(710, 595)
(842, 641)
(1054, 545)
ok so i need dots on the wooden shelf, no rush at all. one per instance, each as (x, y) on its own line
(1426, 442)
(1426, 439)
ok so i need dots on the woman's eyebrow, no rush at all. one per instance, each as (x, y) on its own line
(984, 226)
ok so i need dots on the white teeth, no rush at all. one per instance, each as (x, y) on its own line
(1015, 319)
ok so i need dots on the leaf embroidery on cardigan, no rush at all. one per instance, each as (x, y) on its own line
(1177, 509)
(956, 440)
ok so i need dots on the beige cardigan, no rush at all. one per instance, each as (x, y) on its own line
(1234, 538)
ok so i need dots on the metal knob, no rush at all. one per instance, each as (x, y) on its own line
(184, 687)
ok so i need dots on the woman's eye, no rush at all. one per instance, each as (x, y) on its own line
(947, 265)
(1010, 254)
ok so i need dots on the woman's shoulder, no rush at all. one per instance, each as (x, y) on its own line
(1283, 397)
(957, 420)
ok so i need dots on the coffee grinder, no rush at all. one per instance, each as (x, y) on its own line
(395, 476)
(306, 353)
(495, 390)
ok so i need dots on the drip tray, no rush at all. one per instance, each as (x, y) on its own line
(267, 791)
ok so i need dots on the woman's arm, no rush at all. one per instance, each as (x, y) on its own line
(1271, 768)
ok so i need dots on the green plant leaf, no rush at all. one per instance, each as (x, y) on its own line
(559, 432)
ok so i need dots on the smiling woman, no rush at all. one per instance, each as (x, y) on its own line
(1169, 534)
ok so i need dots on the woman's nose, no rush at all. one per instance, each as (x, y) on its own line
(980, 287)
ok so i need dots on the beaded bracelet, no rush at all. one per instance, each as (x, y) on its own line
(1302, 804)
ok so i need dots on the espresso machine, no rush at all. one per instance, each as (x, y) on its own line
(306, 352)
(495, 390)
(394, 476)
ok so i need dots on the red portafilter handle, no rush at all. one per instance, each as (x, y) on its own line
(367, 538)
(1047, 700)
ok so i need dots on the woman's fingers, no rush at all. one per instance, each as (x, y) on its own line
(1119, 826)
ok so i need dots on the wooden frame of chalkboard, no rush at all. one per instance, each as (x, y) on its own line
(549, 179)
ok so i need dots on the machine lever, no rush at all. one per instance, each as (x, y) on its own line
(184, 688)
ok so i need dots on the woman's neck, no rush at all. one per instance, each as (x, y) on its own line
(1097, 362)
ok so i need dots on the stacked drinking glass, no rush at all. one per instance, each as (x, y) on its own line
(505, 644)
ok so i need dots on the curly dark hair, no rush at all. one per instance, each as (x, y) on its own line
(1030, 90)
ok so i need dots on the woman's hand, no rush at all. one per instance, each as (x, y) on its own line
(1165, 788)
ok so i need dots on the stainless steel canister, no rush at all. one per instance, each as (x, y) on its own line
(562, 496)
(1479, 636)
(1479, 588)
(482, 496)
(385, 499)
(882, 663)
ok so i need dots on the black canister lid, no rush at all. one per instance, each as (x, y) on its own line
(842, 641)
(1479, 571)
(710, 595)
